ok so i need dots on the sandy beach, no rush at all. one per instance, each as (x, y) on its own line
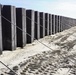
(36, 59)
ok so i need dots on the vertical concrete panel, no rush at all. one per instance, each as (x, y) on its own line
(53, 24)
(50, 24)
(9, 29)
(69, 23)
(63, 22)
(66, 26)
(74, 22)
(66, 22)
(42, 24)
(24, 26)
(13, 20)
(59, 26)
(1, 46)
(37, 25)
(21, 23)
(30, 25)
(46, 24)
(56, 24)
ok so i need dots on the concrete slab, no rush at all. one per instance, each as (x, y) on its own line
(53, 24)
(1, 45)
(30, 25)
(46, 24)
(50, 24)
(21, 23)
(56, 24)
(9, 27)
(42, 24)
(37, 25)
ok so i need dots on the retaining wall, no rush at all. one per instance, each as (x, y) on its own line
(19, 26)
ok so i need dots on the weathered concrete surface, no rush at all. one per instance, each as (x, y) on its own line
(42, 24)
(56, 24)
(30, 25)
(46, 24)
(59, 26)
(37, 25)
(53, 24)
(50, 24)
(21, 23)
(61, 23)
(1, 46)
(9, 27)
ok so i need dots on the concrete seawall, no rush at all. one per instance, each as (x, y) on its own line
(20, 26)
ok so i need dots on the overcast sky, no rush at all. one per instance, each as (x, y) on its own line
(59, 7)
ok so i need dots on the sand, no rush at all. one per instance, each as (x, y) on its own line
(36, 59)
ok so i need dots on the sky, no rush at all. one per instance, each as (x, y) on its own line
(57, 7)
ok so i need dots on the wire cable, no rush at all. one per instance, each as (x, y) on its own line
(9, 68)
